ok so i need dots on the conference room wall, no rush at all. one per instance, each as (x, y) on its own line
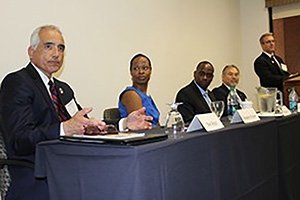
(254, 22)
(101, 36)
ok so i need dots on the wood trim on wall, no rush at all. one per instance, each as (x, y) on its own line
(273, 3)
(292, 43)
(286, 32)
(279, 37)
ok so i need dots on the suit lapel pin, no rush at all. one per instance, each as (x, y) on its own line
(61, 91)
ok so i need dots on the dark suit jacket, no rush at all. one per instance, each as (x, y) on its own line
(222, 92)
(193, 102)
(27, 117)
(270, 75)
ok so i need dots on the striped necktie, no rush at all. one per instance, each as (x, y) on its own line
(57, 103)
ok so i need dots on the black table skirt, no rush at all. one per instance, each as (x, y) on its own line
(289, 157)
(257, 161)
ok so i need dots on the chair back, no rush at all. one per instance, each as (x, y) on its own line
(4, 164)
(4, 174)
(111, 116)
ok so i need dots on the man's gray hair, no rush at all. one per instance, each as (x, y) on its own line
(229, 67)
(35, 36)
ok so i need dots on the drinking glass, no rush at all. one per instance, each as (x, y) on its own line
(217, 107)
(174, 122)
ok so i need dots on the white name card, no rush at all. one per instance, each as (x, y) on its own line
(284, 67)
(286, 111)
(247, 115)
(208, 121)
(71, 107)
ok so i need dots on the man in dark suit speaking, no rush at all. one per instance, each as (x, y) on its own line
(35, 106)
(269, 67)
(195, 97)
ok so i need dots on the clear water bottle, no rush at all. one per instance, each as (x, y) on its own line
(293, 100)
(232, 102)
(174, 122)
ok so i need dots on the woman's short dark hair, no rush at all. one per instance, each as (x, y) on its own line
(137, 56)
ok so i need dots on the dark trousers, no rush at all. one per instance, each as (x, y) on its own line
(24, 186)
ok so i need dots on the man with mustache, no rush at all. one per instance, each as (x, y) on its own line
(35, 107)
(230, 79)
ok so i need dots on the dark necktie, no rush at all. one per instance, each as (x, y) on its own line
(4, 174)
(274, 60)
(57, 103)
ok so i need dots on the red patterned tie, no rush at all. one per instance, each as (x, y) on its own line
(57, 103)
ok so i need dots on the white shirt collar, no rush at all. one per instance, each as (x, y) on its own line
(269, 54)
(43, 76)
(229, 87)
(200, 88)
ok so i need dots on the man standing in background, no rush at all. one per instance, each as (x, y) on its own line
(269, 67)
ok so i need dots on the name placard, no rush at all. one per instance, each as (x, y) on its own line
(286, 111)
(208, 121)
(71, 107)
(247, 115)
